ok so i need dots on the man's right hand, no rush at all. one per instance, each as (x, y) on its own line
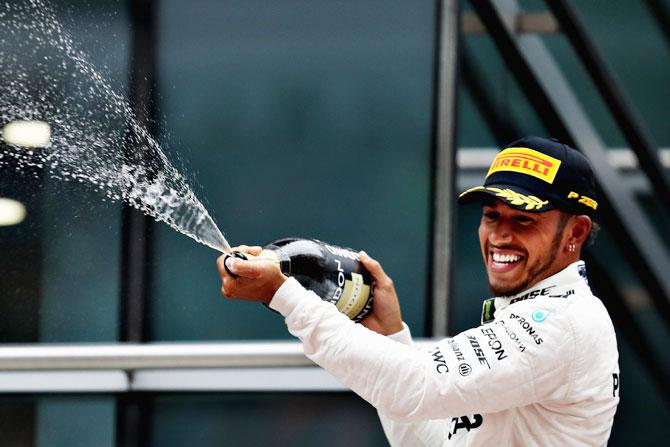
(256, 279)
(385, 317)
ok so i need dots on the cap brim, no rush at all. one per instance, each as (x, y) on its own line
(512, 195)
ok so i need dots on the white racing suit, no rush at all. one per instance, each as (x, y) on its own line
(541, 370)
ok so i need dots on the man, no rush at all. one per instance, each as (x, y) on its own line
(542, 369)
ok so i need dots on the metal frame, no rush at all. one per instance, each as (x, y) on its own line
(250, 366)
(22, 292)
(136, 228)
(276, 379)
(538, 23)
(444, 162)
(133, 411)
(632, 127)
(558, 107)
(132, 357)
(63, 381)
(660, 12)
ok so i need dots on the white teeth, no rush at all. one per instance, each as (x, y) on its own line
(497, 257)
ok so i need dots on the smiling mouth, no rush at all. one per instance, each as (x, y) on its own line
(500, 262)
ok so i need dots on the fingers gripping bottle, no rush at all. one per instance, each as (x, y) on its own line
(333, 273)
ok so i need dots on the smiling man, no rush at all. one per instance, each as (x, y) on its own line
(542, 369)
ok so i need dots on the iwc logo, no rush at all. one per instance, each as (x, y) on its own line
(464, 369)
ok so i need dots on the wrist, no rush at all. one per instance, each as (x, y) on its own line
(393, 329)
(276, 285)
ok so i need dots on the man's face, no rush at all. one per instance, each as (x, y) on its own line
(520, 248)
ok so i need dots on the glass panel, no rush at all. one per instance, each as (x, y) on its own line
(59, 272)
(643, 77)
(301, 118)
(638, 55)
(502, 91)
(246, 419)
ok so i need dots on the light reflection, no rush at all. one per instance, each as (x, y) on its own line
(27, 133)
(12, 212)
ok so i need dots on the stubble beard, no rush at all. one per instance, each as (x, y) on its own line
(534, 271)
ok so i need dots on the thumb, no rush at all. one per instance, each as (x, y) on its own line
(246, 269)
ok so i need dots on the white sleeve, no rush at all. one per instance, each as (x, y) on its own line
(403, 336)
(425, 433)
(511, 363)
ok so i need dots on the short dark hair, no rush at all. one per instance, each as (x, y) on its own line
(591, 238)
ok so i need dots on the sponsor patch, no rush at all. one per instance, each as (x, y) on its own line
(464, 423)
(567, 294)
(440, 364)
(479, 352)
(488, 309)
(512, 335)
(494, 343)
(533, 294)
(539, 316)
(526, 161)
(464, 369)
(526, 326)
(456, 349)
(591, 203)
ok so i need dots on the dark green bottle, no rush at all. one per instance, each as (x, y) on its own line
(334, 273)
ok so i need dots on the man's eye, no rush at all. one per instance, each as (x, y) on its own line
(491, 215)
(523, 219)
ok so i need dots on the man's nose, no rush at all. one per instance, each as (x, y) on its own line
(501, 233)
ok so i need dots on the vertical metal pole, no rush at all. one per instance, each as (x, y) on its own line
(22, 248)
(21, 278)
(448, 13)
(133, 410)
(135, 272)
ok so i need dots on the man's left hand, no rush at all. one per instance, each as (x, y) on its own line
(385, 317)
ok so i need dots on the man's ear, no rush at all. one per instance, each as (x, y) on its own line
(579, 229)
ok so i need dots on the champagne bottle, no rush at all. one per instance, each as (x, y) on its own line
(334, 273)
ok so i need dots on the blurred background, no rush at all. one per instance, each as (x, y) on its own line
(355, 122)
